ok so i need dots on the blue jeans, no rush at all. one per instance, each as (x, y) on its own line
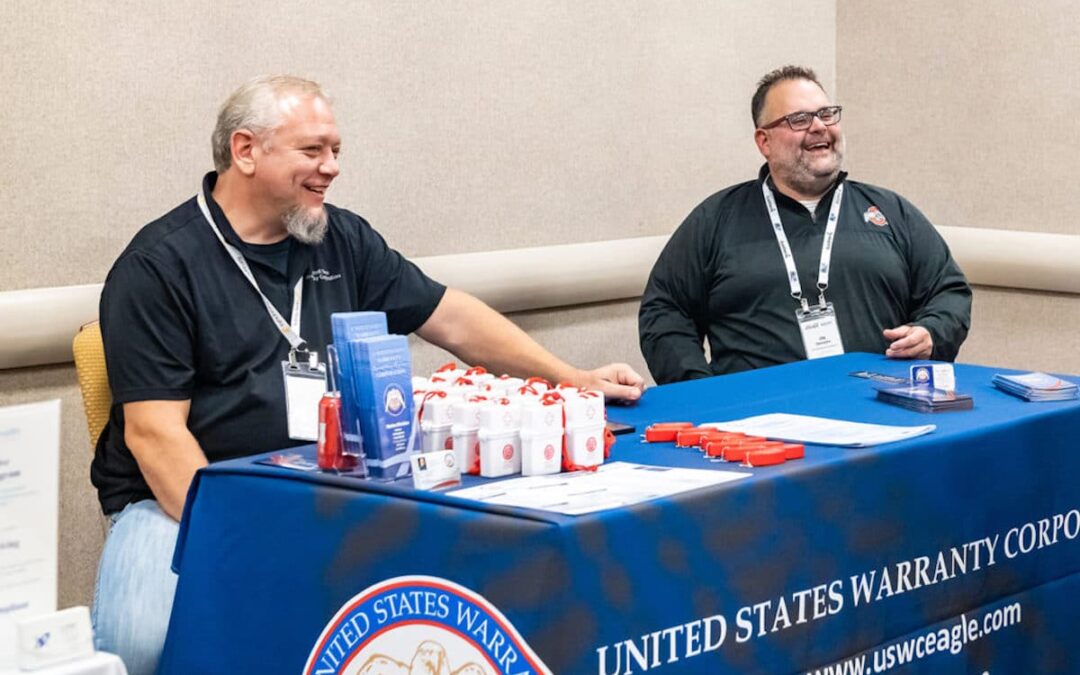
(135, 586)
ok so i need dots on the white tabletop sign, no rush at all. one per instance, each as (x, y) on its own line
(29, 509)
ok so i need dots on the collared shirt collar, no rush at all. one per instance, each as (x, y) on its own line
(300, 254)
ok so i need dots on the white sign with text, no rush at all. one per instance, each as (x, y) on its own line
(29, 512)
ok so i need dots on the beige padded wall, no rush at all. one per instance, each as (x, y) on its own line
(468, 126)
(969, 109)
(968, 105)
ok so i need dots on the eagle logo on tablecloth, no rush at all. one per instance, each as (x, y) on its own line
(430, 659)
(419, 625)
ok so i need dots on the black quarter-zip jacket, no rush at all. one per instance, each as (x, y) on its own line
(721, 277)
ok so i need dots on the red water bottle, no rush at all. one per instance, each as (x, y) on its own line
(329, 454)
(330, 451)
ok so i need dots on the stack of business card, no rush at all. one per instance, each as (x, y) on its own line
(1037, 387)
(923, 399)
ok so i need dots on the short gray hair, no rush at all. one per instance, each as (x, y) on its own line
(254, 106)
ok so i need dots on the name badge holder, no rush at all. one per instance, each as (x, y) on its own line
(305, 384)
(818, 324)
(302, 374)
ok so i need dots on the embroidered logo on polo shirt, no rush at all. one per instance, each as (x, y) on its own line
(322, 275)
(875, 216)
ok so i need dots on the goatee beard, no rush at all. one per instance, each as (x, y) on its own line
(807, 181)
(308, 227)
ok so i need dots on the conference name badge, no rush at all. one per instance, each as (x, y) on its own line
(305, 384)
(421, 624)
(820, 331)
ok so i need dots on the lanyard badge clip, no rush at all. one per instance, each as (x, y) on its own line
(310, 357)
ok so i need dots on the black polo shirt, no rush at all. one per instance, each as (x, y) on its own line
(181, 322)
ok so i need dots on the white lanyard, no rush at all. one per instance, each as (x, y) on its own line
(785, 248)
(291, 330)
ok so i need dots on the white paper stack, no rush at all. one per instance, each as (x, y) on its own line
(1036, 387)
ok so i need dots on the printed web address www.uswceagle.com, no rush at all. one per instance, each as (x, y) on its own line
(951, 640)
(695, 639)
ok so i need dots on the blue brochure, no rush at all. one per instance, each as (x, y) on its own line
(347, 327)
(383, 382)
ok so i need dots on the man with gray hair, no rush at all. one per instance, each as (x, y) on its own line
(200, 310)
(802, 262)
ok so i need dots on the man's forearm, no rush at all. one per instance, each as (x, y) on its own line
(477, 334)
(169, 474)
(167, 453)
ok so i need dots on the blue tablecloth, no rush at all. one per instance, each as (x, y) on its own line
(969, 519)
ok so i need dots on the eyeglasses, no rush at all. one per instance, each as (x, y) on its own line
(801, 121)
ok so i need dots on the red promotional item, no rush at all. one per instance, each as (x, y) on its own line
(766, 456)
(664, 432)
(736, 452)
(720, 436)
(689, 438)
(717, 448)
(714, 448)
(794, 451)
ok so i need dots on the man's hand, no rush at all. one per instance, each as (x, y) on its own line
(615, 380)
(908, 342)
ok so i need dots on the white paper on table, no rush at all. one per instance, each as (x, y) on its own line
(820, 430)
(610, 486)
(29, 510)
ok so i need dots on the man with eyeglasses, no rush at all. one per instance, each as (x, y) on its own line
(800, 263)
